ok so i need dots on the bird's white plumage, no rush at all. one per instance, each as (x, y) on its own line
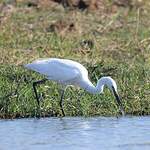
(69, 72)
(60, 70)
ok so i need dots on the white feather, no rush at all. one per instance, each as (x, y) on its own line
(69, 72)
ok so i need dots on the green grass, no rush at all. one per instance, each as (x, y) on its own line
(121, 50)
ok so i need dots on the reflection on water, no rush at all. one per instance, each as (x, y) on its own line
(127, 133)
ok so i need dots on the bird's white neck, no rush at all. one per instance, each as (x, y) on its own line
(89, 87)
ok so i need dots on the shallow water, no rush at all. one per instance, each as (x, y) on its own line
(127, 133)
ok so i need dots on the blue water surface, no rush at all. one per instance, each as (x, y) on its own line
(76, 133)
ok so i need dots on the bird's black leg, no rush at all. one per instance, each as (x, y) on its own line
(34, 88)
(61, 102)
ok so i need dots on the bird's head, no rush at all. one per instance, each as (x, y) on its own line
(111, 84)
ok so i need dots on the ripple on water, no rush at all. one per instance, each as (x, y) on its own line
(75, 133)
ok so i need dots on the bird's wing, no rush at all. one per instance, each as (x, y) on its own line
(54, 70)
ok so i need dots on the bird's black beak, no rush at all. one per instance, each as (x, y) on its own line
(118, 101)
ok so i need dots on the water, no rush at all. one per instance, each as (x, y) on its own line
(127, 133)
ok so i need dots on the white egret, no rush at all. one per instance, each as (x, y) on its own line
(69, 72)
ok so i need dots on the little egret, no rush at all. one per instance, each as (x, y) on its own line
(69, 72)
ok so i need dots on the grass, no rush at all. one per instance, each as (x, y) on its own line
(121, 50)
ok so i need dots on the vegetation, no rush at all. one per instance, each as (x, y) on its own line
(120, 47)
